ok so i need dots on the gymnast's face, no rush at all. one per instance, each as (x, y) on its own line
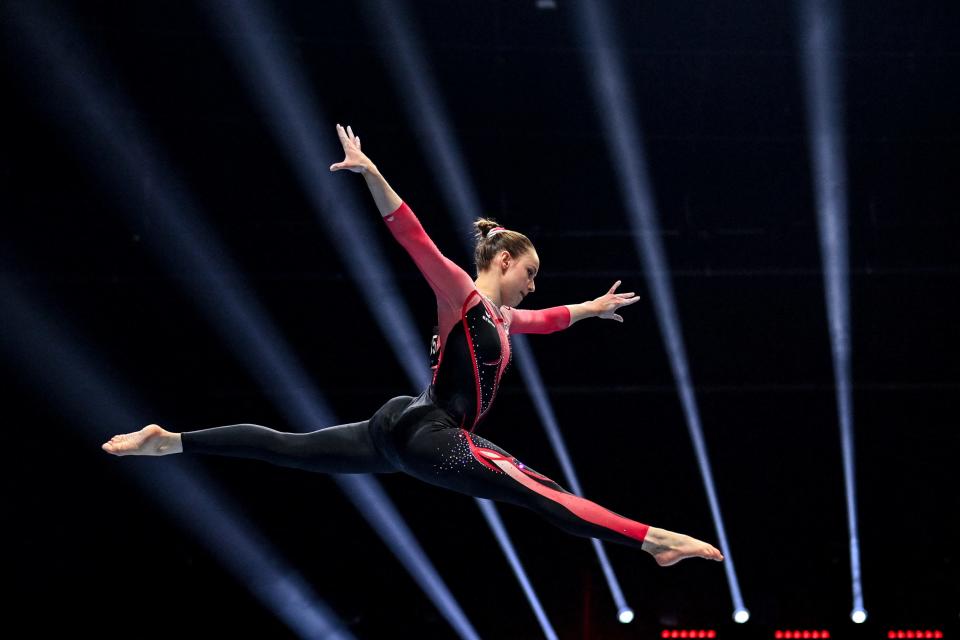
(517, 275)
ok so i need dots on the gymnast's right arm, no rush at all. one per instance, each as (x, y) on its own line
(447, 280)
(357, 161)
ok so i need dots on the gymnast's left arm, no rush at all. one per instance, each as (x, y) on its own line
(605, 306)
(559, 318)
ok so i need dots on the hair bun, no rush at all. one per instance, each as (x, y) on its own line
(483, 226)
(487, 247)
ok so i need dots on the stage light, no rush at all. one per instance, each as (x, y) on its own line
(859, 616)
(820, 25)
(493, 518)
(915, 633)
(625, 616)
(688, 633)
(741, 616)
(283, 93)
(622, 133)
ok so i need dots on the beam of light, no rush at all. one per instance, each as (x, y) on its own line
(413, 79)
(74, 380)
(625, 145)
(300, 125)
(531, 377)
(190, 245)
(493, 517)
(293, 114)
(820, 24)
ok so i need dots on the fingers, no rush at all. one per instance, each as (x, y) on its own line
(617, 317)
(614, 287)
(347, 138)
(349, 141)
(628, 301)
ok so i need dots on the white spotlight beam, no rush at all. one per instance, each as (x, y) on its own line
(493, 519)
(69, 375)
(820, 25)
(625, 145)
(233, 310)
(304, 131)
(412, 78)
(414, 82)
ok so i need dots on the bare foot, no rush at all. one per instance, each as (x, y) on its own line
(669, 548)
(152, 440)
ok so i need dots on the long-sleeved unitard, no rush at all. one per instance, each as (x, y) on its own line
(431, 437)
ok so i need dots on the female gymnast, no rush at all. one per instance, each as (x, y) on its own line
(432, 437)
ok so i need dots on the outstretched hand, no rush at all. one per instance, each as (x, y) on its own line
(607, 304)
(355, 159)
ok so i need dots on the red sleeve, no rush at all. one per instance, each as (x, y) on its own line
(538, 320)
(447, 280)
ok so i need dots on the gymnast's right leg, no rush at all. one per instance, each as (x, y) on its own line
(346, 448)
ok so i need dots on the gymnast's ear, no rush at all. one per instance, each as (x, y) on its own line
(505, 260)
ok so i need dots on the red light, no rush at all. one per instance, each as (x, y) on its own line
(816, 635)
(702, 634)
(664, 634)
(914, 633)
(683, 634)
(778, 635)
(806, 634)
(713, 634)
(674, 634)
(825, 634)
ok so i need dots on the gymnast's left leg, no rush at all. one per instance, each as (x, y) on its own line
(455, 459)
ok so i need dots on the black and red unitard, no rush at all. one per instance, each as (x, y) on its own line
(431, 437)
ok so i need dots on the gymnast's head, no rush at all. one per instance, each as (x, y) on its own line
(505, 259)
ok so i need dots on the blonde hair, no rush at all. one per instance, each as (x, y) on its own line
(489, 246)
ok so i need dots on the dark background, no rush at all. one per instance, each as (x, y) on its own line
(720, 95)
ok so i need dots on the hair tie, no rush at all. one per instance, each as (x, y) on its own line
(495, 231)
